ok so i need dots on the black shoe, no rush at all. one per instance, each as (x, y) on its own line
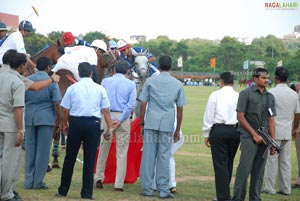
(42, 187)
(16, 195)
(145, 195)
(170, 196)
(59, 195)
(296, 185)
(88, 198)
(119, 189)
(99, 184)
(49, 168)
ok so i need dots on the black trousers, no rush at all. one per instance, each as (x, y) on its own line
(86, 130)
(224, 141)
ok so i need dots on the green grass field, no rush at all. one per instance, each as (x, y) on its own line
(194, 170)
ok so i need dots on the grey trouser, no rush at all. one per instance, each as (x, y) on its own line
(9, 155)
(251, 162)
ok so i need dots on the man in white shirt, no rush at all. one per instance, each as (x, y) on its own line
(77, 54)
(15, 41)
(220, 132)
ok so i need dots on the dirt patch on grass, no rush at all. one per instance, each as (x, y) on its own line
(186, 153)
(191, 178)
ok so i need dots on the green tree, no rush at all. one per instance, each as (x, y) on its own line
(230, 55)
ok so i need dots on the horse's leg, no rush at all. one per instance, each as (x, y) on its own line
(55, 150)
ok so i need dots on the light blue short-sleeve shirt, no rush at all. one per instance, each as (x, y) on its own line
(161, 93)
(85, 99)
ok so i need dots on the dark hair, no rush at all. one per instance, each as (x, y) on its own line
(122, 67)
(282, 73)
(258, 71)
(17, 60)
(84, 69)
(7, 56)
(42, 63)
(165, 62)
(227, 77)
(293, 86)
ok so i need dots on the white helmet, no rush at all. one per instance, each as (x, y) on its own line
(122, 45)
(100, 44)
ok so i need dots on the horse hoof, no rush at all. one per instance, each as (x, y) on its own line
(49, 168)
(55, 164)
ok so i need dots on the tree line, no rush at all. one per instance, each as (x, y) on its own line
(230, 54)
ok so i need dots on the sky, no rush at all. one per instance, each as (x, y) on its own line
(177, 19)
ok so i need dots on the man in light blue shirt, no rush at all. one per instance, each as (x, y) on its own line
(83, 103)
(122, 96)
(159, 95)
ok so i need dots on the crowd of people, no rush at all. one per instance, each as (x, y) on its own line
(92, 111)
(234, 119)
(34, 106)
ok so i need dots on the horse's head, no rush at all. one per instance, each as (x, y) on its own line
(141, 65)
(140, 70)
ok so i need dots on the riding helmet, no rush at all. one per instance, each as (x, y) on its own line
(3, 26)
(26, 25)
(68, 38)
(122, 45)
(100, 44)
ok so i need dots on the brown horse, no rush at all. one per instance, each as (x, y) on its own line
(104, 65)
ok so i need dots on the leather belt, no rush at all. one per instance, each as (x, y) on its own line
(115, 111)
(229, 125)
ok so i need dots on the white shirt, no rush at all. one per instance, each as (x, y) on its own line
(14, 41)
(85, 99)
(73, 57)
(220, 108)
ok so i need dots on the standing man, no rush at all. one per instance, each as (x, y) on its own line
(12, 93)
(297, 142)
(83, 103)
(286, 121)
(255, 108)
(122, 96)
(159, 95)
(41, 111)
(220, 133)
(15, 41)
(29, 85)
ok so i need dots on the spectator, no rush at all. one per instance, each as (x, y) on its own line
(297, 141)
(287, 120)
(255, 108)
(11, 121)
(40, 119)
(122, 96)
(220, 132)
(159, 94)
(82, 105)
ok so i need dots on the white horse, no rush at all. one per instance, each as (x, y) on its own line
(140, 72)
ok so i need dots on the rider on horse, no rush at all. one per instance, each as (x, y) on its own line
(3, 32)
(129, 54)
(70, 40)
(15, 41)
(77, 54)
